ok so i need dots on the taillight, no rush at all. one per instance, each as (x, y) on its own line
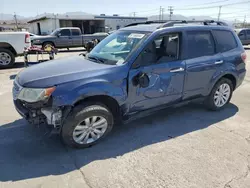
(27, 38)
(244, 57)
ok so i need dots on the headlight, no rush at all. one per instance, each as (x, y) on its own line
(35, 95)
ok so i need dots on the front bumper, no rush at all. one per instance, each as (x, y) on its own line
(42, 113)
(32, 114)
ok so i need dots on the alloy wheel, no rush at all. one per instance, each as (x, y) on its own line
(222, 95)
(90, 130)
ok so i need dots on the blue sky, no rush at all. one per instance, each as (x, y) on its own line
(141, 7)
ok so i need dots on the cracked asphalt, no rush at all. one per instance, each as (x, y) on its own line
(175, 148)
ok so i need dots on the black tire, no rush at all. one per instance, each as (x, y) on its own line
(11, 55)
(80, 113)
(210, 102)
(48, 43)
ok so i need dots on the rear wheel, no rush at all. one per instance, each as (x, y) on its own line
(87, 125)
(7, 58)
(220, 95)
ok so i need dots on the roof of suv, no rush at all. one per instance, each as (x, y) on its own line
(154, 27)
(182, 25)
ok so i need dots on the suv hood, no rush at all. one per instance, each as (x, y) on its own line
(60, 71)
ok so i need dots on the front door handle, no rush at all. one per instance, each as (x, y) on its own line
(177, 69)
(218, 62)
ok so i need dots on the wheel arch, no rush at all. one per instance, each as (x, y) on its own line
(229, 75)
(111, 103)
(48, 42)
(8, 46)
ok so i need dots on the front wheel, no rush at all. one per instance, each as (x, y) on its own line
(220, 95)
(7, 58)
(87, 125)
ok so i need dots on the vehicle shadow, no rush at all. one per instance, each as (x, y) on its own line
(27, 152)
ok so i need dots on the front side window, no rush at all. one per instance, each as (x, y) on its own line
(200, 43)
(225, 40)
(116, 47)
(65, 32)
(161, 50)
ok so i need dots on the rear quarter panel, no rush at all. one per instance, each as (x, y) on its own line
(15, 39)
(233, 64)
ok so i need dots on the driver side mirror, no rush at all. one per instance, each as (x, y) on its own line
(58, 35)
(142, 80)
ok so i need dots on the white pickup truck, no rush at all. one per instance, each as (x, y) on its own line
(12, 44)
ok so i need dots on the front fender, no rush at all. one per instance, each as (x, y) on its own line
(77, 92)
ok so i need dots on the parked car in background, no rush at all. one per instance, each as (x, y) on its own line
(244, 35)
(101, 33)
(133, 72)
(12, 44)
(67, 37)
(32, 36)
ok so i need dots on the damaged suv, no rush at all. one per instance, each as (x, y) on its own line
(134, 71)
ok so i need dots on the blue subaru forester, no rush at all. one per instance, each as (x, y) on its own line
(134, 71)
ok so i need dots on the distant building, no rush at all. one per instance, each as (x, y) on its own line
(11, 26)
(88, 23)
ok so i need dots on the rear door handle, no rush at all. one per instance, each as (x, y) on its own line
(218, 62)
(177, 69)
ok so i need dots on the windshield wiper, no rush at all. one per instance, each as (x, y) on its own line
(96, 59)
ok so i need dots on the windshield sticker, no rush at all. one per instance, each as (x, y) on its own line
(136, 35)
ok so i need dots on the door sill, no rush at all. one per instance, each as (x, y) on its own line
(140, 114)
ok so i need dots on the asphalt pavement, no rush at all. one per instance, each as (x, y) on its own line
(186, 147)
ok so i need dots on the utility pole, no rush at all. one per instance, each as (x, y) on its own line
(134, 13)
(244, 22)
(171, 10)
(160, 13)
(219, 13)
(15, 20)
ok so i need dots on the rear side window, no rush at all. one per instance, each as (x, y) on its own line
(65, 32)
(242, 33)
(225, 40)
(75, 32)
(200, 43)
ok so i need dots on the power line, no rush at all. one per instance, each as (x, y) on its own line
(235, 12)
(208, 3)
(215, 6)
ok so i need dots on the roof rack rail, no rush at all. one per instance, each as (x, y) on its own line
(147, 22)
(173, 22)
(204, 22)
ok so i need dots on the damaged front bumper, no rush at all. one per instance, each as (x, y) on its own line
(42, 113)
